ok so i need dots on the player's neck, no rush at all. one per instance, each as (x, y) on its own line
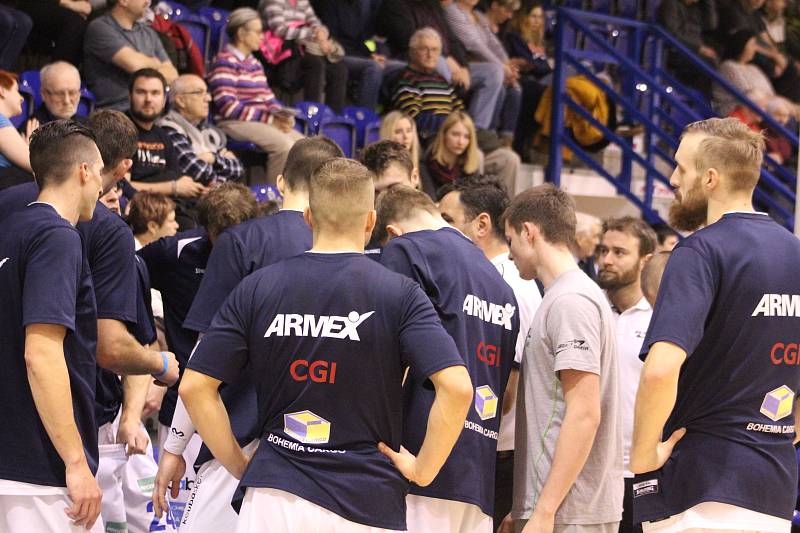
(493, 247)
(625, 297)
(734, 202)
(329, 242)
(295, 201)
(423, 220)
(554, 262)
(64, 201)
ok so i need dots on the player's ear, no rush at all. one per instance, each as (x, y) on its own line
(711, 179)
(530, 232)
(280, 182)
(394, 230)
(484, 224)
(372, 217)
(307, 216)
(415, 178)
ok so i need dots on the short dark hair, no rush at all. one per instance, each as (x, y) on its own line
(117, 138)
(147, 207)
(549, 208)
(225, 206)
(635, 227)
(305, 157)
(379, 155)
(663, 231)
(481, 194)
(399, 203)
(57, 147)
(146, 73)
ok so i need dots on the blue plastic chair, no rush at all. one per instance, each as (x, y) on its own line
(30, 80)
(372, 132)
(361, 116)
(28, 106)
(217, 19)
(242, 146)
(313, 113)
(265, 193)
(86, 104)
(200, 32)
(174, 11)
(340, 130)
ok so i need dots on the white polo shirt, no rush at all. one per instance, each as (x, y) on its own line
(631, 329)
(528, 300)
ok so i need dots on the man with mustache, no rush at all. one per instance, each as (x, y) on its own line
(720, 374)
(626, 246)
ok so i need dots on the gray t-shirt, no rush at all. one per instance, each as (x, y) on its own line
(104, 38)
(572, 329)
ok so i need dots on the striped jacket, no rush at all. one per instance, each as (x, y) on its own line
(428, 97)
(239, 88)
(290, 19)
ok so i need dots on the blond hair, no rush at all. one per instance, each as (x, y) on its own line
(520, 23)
(730, 147)
(470, 159)
(341, 195)
(390, 120)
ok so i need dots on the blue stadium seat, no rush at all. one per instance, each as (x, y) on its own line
(242, 146)
(340, 130)
(30, 79)
(200, 31)
(216, 18)
(362, 116)
(314, 112)
(86, 104)
(265, 193)
(372, 132)
(28, 106)
(172, 10)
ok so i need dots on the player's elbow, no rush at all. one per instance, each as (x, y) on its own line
(657, 377)
(191, 387)
(459, 389)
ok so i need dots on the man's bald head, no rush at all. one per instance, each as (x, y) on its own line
(61, 89)
(189, 96)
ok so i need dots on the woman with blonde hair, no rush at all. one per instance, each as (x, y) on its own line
(453, 154)
(401, 128)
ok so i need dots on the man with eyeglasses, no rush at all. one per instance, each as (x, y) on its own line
(200, 146)
(420, 91)
(61, 93)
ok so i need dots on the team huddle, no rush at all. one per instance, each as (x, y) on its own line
(366, 360)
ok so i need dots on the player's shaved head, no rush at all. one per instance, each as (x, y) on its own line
(341, 195)
(306, 156)
(651, 275)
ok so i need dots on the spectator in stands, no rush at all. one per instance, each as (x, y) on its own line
(61, 93)
(498, 12)
(398, 127)
(155, 166)
(587, 236)
(740, 72)
(321, 70)
(200, 146)
(525, 41)
(420, 91)
(774, 16)
(244, 105)
(742, 15)
(15, 165)
(58, 27)
(116, 45)
(151, 216)
(348, 22)
(667, 238)
(778, 146)
(746, 114)
(14, 29)
(692, 22)
(472, 28)
(399, 19)
(453, 154)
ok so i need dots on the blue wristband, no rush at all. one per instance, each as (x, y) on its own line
(165, 360)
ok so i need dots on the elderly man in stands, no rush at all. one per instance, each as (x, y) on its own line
(200, 146)
(61, 93)
(116, 45)
(244, 105)
(420, 91)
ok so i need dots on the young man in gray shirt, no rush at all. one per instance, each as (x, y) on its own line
(568, 465)
(116, 45)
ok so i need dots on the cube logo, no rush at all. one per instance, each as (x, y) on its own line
(307, 427)
(485, 402)
(778, 403)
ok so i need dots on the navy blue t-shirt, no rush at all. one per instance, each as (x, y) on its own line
(730, 298)
(327, 337)
(176, 265)
(478, 309)
(239, 251)
(44, 279)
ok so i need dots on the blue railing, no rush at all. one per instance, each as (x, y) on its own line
(651, 96)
